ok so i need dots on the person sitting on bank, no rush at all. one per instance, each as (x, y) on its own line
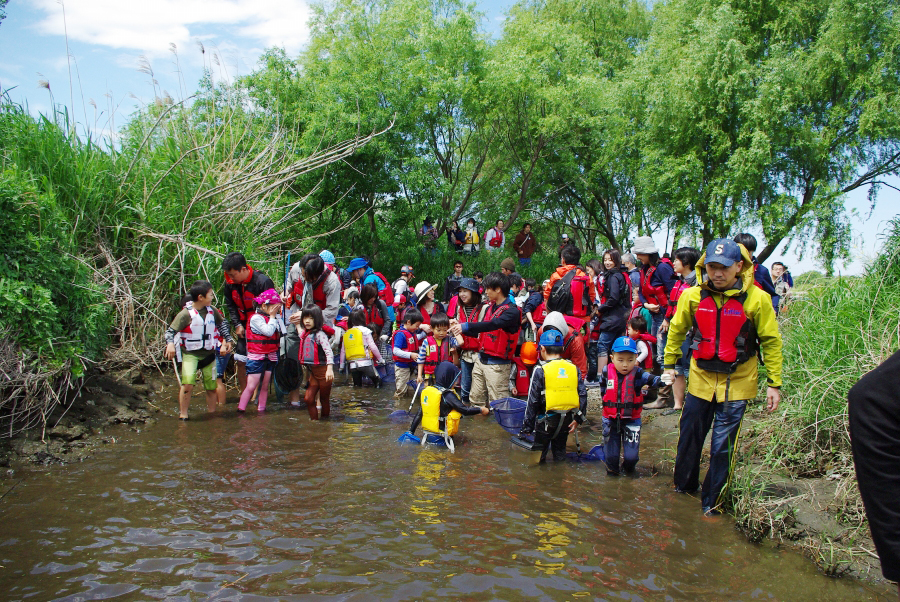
(441, 408)
(731, 319)
(557, 399)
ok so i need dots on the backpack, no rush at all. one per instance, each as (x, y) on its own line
(386, 293)
(570, 295)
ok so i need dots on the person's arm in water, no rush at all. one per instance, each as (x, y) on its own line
(455, 403)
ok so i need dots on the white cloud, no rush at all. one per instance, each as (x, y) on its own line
(149, 26)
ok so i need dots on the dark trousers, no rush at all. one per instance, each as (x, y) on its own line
(621, 437)
(593, 350)
(874, 411)
(550, 434)
(697, 417)
(370, 371)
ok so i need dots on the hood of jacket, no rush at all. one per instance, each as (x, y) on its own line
(445, 375)
(745, 275)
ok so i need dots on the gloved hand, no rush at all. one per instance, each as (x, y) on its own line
(668, 377)
(383, 338)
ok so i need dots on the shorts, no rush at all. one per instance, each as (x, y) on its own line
(260, 366)
(605, 343)
(683, 364)
(222, 364)
(189, 363)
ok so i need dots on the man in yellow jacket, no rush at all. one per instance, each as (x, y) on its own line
(732, 321)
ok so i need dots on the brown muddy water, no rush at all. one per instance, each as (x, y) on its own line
(274, 507)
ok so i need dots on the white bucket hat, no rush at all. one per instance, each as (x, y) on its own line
(644, 245)
(422, 289)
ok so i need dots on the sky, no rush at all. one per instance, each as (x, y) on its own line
(119, 56)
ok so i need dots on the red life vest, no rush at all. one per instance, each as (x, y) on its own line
(655, 295)
(651, 341)
(436, 353)
(635, 310)
(318, 291)
(523, 378)
(677, 290)
(499, 343)
(497, 240)
(244, 298)
(724, 337)
(621, 399)
(257, 343)
(311, 351)
(373, 316)
(452, 305)
(410, 344)
(468, 343)
(540, 314)
(386, 293)
(570, 295)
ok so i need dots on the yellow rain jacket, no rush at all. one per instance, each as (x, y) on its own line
(758, 307)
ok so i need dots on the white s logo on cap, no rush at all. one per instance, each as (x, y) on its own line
(719, 249)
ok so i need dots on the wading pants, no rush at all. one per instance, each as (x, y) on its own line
(621, 436)
(697, 417)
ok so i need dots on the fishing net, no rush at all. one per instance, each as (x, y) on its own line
(510, 413)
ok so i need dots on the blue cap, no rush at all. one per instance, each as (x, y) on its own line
(724, 251)
(625, 344)
(357, 263)
(327, 256)
(551, 338)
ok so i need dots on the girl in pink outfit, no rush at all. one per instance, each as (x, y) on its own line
(360, 350)
(263, 335)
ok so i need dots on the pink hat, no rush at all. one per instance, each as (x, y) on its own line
(269, 296)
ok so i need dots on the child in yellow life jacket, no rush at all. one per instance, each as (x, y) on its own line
(623, 384)
(359, 349)
(263, 334)
(197, 326)
(441, 408)
(557, 398)
(437, 347)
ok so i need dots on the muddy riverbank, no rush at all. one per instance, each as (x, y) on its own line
(113, 412)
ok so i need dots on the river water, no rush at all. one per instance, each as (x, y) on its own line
(274, 506)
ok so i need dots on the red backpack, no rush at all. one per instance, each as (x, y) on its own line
(386, 293)
(570, 295)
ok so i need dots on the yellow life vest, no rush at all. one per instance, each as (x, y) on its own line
(354, 348)
(471, 237)
(561, 386)
(431, 413)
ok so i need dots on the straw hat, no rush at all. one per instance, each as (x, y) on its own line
(422, 289)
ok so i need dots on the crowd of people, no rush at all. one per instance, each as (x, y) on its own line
(689, 327)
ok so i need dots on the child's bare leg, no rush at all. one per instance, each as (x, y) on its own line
(264, 391)
(212, 400)
(184, 400)
(678, 389)
(252, 382)
(220, 391)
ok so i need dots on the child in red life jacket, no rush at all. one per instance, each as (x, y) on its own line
(637, 330)
(406, 349)
(623, 397)
(316, 355)
(436, 347)
(263, 335)
(197, 326)
(360, 350)
(522, 367)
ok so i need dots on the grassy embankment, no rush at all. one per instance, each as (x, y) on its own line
(800, 457)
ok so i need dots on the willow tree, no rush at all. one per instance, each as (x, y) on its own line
(763, 115)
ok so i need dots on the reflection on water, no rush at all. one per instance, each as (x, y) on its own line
(275, 506)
